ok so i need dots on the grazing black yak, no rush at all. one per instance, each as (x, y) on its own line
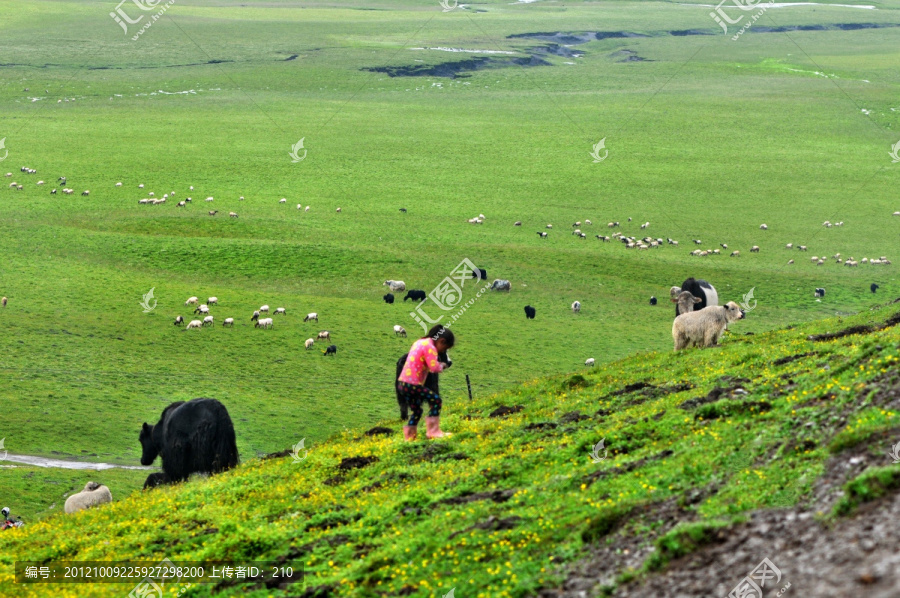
(415, 295)
(431, 383)
(874, 287)
(530, 312)
(388, 298)
(191, 437)
(330, 350)
(479, 273)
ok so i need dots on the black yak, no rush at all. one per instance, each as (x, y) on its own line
(530, 312)
(191, 437)
(330, 350)
(479, 273)
(874, 287)
(652, 300)
(431, 383)
(415, 295)
(388, 298)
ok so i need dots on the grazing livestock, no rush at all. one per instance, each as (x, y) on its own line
(589, 362)
(255, 316)
(699, 288)
(280, 310)
(264, 309)
(311, 316)
(576, 307)
(324, 335)
(685, 302)
(529, 312)
(330, 350)
(872, 288)
(399, 330)
(479, 273)
(232, 214)
(395, 285)
(415, 295)
(790, 261)
(194, 324)
(754, 249)
(388, 298)
(282, 200)
(213, 212)
(299, 206)
(339, 210)
(212, 301)
(178, 321)
(3, 301)
(309, 343)
(229, 322)
(192, 437)
(307, 209)
(403, 210)
(517, 223)
(202, 309)
(84, 193)
(763, 227)
(264, 323)
(820, 292)
(208, 321)
(542, 235)
(704, 328)
(501, 285)
(93, 494)
(735, 254)
(652, 300)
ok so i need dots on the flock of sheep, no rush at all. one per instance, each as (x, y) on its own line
(265, 323)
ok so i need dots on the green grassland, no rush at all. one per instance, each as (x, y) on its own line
(707, 139)
(501, 507)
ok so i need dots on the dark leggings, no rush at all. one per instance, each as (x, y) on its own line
(414, 395)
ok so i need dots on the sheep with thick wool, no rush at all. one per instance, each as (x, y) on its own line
(93, 494)
(704, 328)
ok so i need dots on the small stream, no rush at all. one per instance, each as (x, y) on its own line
(66, 464)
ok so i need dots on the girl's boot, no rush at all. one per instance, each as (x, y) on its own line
(433, 427)
(409, 433)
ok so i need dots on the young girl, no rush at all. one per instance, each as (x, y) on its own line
(422, 359)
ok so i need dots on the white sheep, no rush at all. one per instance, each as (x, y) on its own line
(202, 309)
(280, 310)
(763, 227)
(93, 494)
(191, 301)
(735, 254)
(194, 324)
(754, 249)
(282, 200)
(324, 335)
(3, 301)
(264, 323)
(311, 316)
(232, 214)
(307, 209)
(208, 321)
(209, 198)
(339, 210)
(395, 285)
(576, 307)
(179, 320)
(228, 322)
(264, 309)
(589, 362)
(309, 343)
(299, 206)
(704, 328)
(212, 301)
(399, 330)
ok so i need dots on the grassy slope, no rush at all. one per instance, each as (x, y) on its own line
(761, 450)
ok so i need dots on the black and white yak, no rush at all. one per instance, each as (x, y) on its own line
(698, 288)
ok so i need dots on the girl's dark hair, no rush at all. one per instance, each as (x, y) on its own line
(439, 331)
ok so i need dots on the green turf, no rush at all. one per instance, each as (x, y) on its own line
(708, 138)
